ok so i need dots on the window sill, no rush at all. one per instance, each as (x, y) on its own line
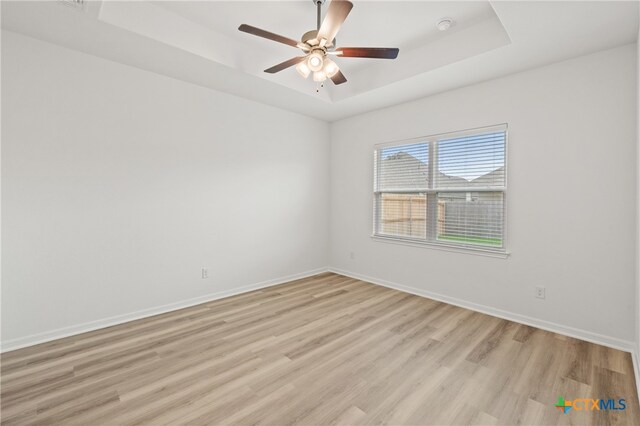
(478, 251)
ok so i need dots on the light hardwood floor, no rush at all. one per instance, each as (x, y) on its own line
(321, 350)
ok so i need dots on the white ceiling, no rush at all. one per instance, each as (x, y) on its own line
(198, 42)
(392, 23)
(406, 25)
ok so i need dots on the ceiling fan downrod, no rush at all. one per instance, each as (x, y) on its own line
(319, 14)
(319, 4)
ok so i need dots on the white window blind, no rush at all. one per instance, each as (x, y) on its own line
(445, 189)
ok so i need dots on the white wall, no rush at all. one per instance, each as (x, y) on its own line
(118, 185)
(571, 200)
(638, 209)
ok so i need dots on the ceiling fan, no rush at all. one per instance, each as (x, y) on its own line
(319, 43)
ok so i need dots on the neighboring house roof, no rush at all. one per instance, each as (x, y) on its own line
(451, 181)
(495, 177)
(402, 170)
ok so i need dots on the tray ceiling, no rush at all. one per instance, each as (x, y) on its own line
(198, 42)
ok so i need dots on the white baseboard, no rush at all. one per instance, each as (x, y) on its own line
(59, 333)
(635, 356)
(600, 339)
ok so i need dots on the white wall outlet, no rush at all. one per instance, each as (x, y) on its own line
(205, 273)
(352, 255)
(540, 292)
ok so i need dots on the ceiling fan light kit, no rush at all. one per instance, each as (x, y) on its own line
(317, 44)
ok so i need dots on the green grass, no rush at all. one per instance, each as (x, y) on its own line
(495, 242)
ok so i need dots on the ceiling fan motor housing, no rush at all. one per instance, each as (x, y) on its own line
(310, 36)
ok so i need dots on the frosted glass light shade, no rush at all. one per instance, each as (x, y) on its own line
(303, 69)
(315, 61)
(330, 68)
(319, 76)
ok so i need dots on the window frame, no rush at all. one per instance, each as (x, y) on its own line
(431, 194)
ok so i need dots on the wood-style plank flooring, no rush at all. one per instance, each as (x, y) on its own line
(321, 350)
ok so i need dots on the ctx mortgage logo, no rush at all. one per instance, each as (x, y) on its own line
(589, 404)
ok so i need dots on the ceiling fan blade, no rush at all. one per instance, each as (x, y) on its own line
(338, 78)
(336, 14)
(284, 65)
(268, 35)
(368, 52)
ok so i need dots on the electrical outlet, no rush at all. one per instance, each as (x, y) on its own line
(540, 292)
(205, 273)
(352, 255)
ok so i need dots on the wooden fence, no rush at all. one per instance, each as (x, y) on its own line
(405, 214)
(478, 219)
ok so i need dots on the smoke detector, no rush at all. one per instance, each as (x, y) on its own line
(444, 24)
(78, 4)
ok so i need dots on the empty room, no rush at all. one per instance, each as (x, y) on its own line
(320, 212)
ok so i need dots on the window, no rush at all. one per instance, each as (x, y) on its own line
(446, 189)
